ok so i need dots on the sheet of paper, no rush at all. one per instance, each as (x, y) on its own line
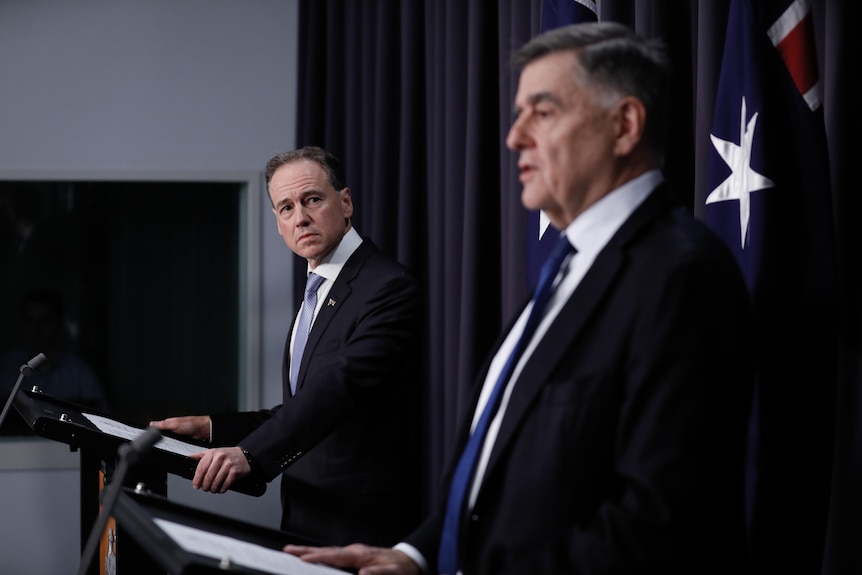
(123, 431)
(243, 553)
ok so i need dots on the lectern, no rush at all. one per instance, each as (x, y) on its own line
(181, 540)
(97, 436)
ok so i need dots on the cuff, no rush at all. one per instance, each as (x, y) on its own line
(414, 554)
(255, 468)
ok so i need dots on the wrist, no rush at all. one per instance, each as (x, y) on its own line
(252, 462)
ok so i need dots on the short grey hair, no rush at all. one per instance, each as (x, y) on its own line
(331, 165)
(614, 58)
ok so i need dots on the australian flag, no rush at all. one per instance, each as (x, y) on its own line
(540, 235)
(769, 198)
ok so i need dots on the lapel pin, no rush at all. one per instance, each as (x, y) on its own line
(331, 302)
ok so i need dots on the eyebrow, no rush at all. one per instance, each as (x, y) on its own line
(537, 98)
(302, 195)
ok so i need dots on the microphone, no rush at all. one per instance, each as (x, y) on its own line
(34, 363)
(25, 370)
(141, 445)
(128, 454)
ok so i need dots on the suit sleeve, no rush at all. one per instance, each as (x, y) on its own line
(356, 364)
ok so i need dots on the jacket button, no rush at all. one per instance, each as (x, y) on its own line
(474, 517)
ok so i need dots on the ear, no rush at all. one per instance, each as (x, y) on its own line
(347, 202)
(630, 116)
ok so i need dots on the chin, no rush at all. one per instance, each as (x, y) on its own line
(531, 201)
(526, 198)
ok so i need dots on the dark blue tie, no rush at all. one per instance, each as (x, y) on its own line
(308, 305)
(448, 557)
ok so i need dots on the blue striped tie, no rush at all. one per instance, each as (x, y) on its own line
(304, 327)
(448, 556)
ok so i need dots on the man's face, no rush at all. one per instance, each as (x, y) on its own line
(564, 137)
(312, 216)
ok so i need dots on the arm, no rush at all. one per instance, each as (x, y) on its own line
(217, 468)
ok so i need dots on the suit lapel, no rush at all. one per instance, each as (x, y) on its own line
(565, 329)
(569, 324)
(335, 299)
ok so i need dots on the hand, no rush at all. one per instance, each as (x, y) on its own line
(219, 468)
(367, 560)
(195, 426)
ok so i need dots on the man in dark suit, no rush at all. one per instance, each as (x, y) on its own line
(617, 442)
(343, 439)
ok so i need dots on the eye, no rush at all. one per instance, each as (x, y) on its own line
(543, 111)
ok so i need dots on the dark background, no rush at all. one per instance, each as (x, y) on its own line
(149, 273)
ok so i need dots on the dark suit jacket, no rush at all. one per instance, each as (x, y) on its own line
(345, 444)
(622, 449)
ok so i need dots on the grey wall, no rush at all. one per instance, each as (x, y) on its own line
(146, 89)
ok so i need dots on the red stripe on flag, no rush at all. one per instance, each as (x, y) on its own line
(797, 51)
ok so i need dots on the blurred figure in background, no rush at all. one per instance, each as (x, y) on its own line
(64, 375)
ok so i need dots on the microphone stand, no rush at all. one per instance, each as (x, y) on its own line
(25, 370)
(129, 454)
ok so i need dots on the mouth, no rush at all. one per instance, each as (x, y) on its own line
(304, 237)
(526, 170)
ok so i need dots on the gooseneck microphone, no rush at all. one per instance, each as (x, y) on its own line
(128, 453)
(24, 370)
(141, 445)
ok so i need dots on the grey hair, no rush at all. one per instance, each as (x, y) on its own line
(331, 165)
(612, 58)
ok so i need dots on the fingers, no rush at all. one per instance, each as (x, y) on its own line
(176, 424)
(367, 560)
(196, 426)
(335, 556)
(218, 469)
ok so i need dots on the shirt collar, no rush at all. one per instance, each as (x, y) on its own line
(591, 230)
(332, 264)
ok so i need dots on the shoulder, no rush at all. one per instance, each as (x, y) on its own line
(665, 226)
(369, 262)
(662, 238)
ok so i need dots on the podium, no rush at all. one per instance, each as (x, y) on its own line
(181, 540)
(72, 424)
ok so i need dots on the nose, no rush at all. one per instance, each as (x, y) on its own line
(516, 139)
(300, 213)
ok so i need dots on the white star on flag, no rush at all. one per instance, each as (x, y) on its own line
(742, 179)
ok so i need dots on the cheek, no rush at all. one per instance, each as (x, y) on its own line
(559, 166)
(283, 229)
(572, 152)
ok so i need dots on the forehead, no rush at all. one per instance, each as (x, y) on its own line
(553, 74)
(299, 176)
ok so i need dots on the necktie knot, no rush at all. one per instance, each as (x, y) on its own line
(313, 282)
